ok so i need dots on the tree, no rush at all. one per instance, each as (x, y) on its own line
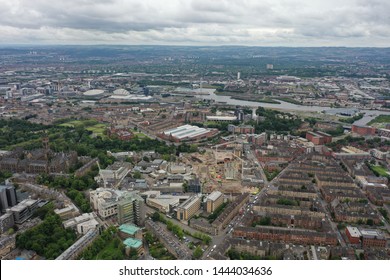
(137, 175)
(197, 253)
(156, 217)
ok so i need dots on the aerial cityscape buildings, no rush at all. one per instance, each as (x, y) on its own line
(194, 153)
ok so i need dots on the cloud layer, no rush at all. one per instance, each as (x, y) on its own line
(197, 22)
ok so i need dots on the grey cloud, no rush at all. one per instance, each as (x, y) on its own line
(280, 22)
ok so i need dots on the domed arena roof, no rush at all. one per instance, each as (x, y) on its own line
(94, 92)
(121, 91)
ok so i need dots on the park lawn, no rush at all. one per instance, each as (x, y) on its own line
(91, 125)
(97, 129)
(140, 135)
(76, 123)
(381, 170)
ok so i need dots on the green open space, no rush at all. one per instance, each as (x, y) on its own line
(98, 129)
(379, 170)
(91, 125)
(380, 119)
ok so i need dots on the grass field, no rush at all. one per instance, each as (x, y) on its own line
(380, 119)
(97, 129)
(90, 125)
(77, 123)
(140, 135)
(381, 170)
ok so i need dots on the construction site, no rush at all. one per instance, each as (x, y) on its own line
(224, 168)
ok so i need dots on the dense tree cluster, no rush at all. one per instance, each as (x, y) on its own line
(107, 246)
(49, 239)
(74, 187)
(276, 121)
(15, 131)
(4, 175)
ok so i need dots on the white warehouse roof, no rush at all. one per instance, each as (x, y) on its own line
(186, 131)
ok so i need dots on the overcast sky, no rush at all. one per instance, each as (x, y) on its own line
(197, 22)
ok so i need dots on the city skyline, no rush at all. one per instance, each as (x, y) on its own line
(352, 23)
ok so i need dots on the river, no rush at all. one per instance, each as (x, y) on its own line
(208, 94)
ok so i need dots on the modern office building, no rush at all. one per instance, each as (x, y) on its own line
(127, 207)
(213, 201)
(24, 210)
(7, 197)
(188, 208)
(131, 209)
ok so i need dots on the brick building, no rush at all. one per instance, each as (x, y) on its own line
(363, 130)
(318, 138)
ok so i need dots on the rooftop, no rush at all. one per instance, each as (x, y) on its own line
(214, 195)
(132, 243)
(186, 131)
(189, 202)
(353, 231)
(129, 229)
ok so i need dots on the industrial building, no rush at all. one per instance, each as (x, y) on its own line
(187, 133)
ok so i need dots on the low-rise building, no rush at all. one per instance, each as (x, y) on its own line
(67, 212)
(363, 130)
(130, 230)
(373, 238)
(135, 244)
(353, 234)
(6, 221)
(318, 137)
(296, 236)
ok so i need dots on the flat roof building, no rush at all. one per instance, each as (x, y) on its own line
(213, 201)
(24, 210)
(165, 203)
(186, 132)
(7, 197)
(353, 234)
(129, 230)
(128, 207)
(188, 208)
(221, 118)
(6, 222)
(132, 243)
